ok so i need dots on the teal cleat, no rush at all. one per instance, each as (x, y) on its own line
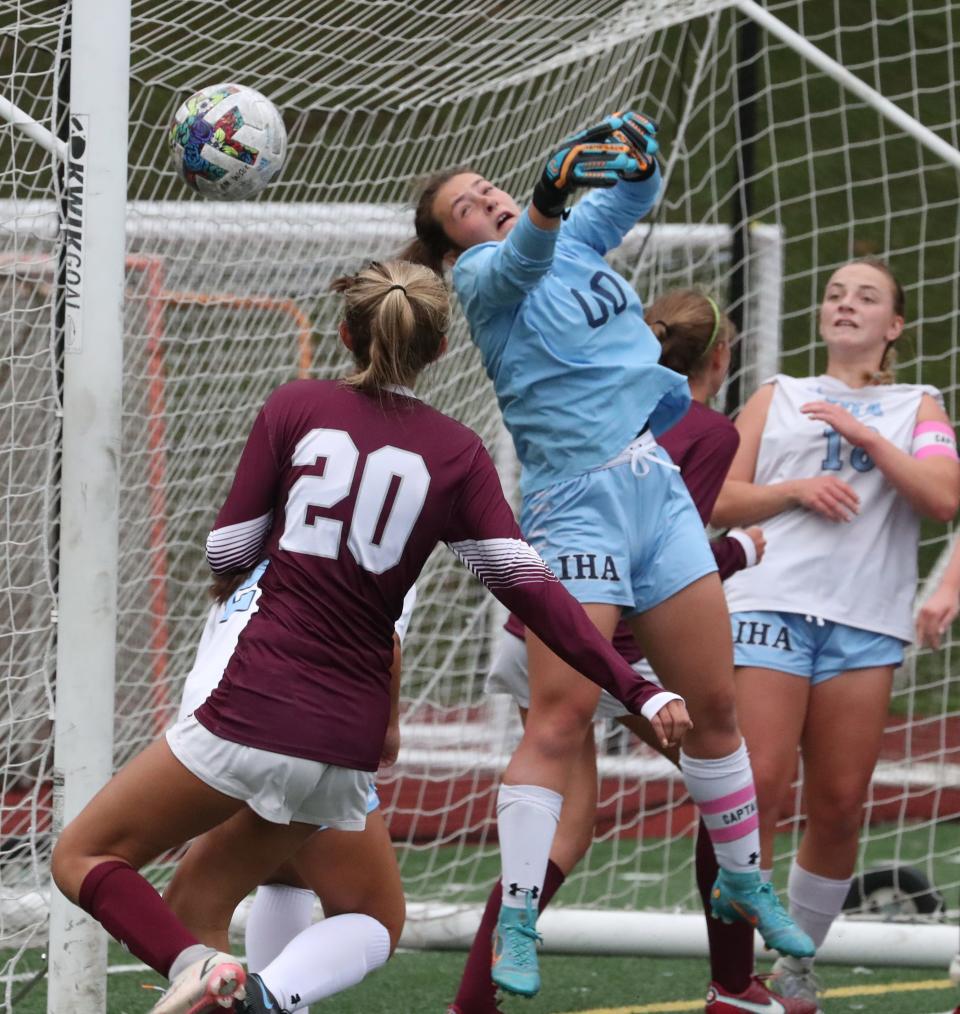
(745, 896)
(515, 968)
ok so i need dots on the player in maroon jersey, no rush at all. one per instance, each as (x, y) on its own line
(696, 339)
(356, 871)
(345, 487)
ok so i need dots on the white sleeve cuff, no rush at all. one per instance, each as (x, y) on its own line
(749, 546)
(657, 702)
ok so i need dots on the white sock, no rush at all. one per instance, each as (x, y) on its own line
(325, 958)
(815, 901)
(527, 818)
(278, 913)
(766, 875)
(723, 789)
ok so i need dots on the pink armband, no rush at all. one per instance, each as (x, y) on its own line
(931, 438)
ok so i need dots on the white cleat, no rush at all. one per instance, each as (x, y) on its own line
(210, 984)
(794, 978)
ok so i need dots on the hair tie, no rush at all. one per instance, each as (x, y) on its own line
(716, 325)
(395, 286)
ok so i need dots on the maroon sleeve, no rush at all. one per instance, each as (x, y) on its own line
(514, 626)
(729, 555)
(483, 533)
(236, 541)
(706, 465)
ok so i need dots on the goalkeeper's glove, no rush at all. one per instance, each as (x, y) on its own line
(592, 158)
(639, 134)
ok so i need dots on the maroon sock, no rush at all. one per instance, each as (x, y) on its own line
(731, 947)
(131, 911)
(477, 993)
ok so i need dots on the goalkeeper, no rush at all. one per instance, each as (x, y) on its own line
(576, 373)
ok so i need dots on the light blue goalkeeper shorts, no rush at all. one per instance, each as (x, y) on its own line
(626, 533)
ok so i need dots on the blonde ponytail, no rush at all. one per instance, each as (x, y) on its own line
(397, 314)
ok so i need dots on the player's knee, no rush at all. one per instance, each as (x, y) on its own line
(63, 870)
(559, 732)
(836, 813)
(715, 732)
(69, 864)
(556, 743)
(714, 712)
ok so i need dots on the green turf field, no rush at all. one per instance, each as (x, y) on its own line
(424, 982)
(607, 875)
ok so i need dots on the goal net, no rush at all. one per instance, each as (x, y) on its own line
(776, 172)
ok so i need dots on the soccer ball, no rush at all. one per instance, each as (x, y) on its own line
(227, 142)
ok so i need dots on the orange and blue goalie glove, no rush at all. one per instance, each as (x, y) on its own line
(592, 158)
(639, 134)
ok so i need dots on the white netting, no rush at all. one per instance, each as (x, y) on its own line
(763, 198)
(29, 436)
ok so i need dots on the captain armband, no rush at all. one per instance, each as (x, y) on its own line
(934, 438)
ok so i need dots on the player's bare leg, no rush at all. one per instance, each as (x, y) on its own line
(577, 816)
(772, 708)
(355, 875)
(127, 824)
(835, 789)
(562, 704)
(731, 947)
(835, 792)
(688, 643)
(223, 866)
(476, 993)
(130, 821)
(354, 871)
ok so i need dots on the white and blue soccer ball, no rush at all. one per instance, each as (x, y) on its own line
(228, 142)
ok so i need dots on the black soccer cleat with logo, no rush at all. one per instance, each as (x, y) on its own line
(259, 999)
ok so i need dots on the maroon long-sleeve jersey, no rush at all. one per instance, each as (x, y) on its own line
(703, 444)
(347, 494)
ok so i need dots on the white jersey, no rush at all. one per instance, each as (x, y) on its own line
(222, 630)
(864, 572)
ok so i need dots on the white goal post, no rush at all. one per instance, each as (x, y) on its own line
(795, 135)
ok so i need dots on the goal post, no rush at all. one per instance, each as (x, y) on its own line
(90, 294)
(217, 304)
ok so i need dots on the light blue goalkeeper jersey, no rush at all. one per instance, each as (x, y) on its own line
(563, 339)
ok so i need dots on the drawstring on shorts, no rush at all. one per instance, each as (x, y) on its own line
(640, 452)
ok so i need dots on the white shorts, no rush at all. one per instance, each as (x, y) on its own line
(279, 788)
(508, 675)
